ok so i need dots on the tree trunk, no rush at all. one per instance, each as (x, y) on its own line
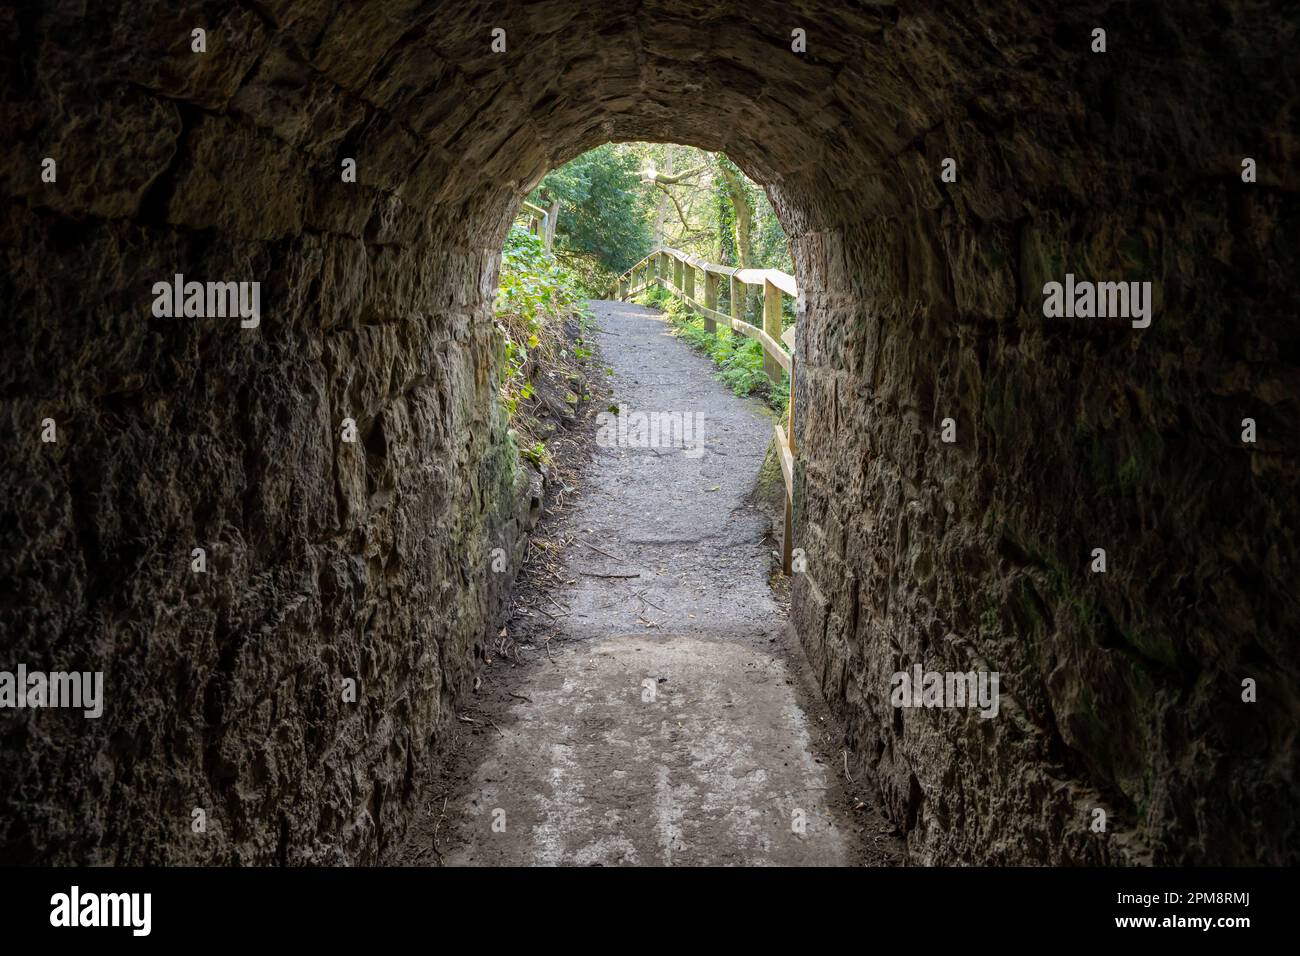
(742, 214)
(661, 213)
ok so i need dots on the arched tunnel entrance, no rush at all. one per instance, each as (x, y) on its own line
(935, 169)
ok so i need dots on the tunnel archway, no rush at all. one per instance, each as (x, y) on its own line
(924, 304)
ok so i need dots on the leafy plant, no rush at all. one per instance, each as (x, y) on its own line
(602, 226)
(536, 454)
(533, 286)
(536, 296)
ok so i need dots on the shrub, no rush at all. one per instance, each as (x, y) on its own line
(536, 296)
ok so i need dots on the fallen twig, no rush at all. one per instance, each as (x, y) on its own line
(641, 595)
(604, 552)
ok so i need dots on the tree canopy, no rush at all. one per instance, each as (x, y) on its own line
(602, 227)
(616, 202)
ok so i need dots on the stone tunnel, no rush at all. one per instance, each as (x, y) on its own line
(1159, 150)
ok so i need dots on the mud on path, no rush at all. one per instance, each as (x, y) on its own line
(660, 713)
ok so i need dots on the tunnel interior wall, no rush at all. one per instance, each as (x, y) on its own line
(326, 560)
(922, 300)
(1120, 691)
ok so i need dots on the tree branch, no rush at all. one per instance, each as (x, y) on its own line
(671, 179)
(680, 215)
(575, 254)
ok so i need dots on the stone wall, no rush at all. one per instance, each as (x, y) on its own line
(326, 560)
(922, 301)
(1122, 690)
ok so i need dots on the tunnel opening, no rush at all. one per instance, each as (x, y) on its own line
(585, 226)
(933, 169)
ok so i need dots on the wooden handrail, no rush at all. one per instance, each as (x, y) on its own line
(770, 345)
(782, 280)
(774, 341)
(539, 220)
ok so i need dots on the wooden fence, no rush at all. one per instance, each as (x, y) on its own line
(676, 272)
(541, 222)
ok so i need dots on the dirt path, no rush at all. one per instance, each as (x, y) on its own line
(669, 720)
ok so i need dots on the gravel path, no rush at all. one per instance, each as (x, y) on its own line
(670, 721)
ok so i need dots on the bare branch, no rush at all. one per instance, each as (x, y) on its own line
(671, 179)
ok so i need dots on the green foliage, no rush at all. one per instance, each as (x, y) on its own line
(536, 454)
(612, 213)
(656, 297)
(533, 286)
(726, 222)
(603, 223)
(535, 296)
(771, 247)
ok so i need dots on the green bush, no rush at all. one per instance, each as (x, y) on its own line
(603, 224)
(533, 286)
(535, 296)
(655, 297)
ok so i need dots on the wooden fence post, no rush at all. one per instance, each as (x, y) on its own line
(710, 301)
(772, 326)
(678, 281)
(688, 276)
(552, 220)
(737, 302)
(787, 539)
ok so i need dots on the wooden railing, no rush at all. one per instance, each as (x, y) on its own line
(540, 221)
(675, 271)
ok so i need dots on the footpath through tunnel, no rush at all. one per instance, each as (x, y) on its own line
(978, 414)
(642, 703)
